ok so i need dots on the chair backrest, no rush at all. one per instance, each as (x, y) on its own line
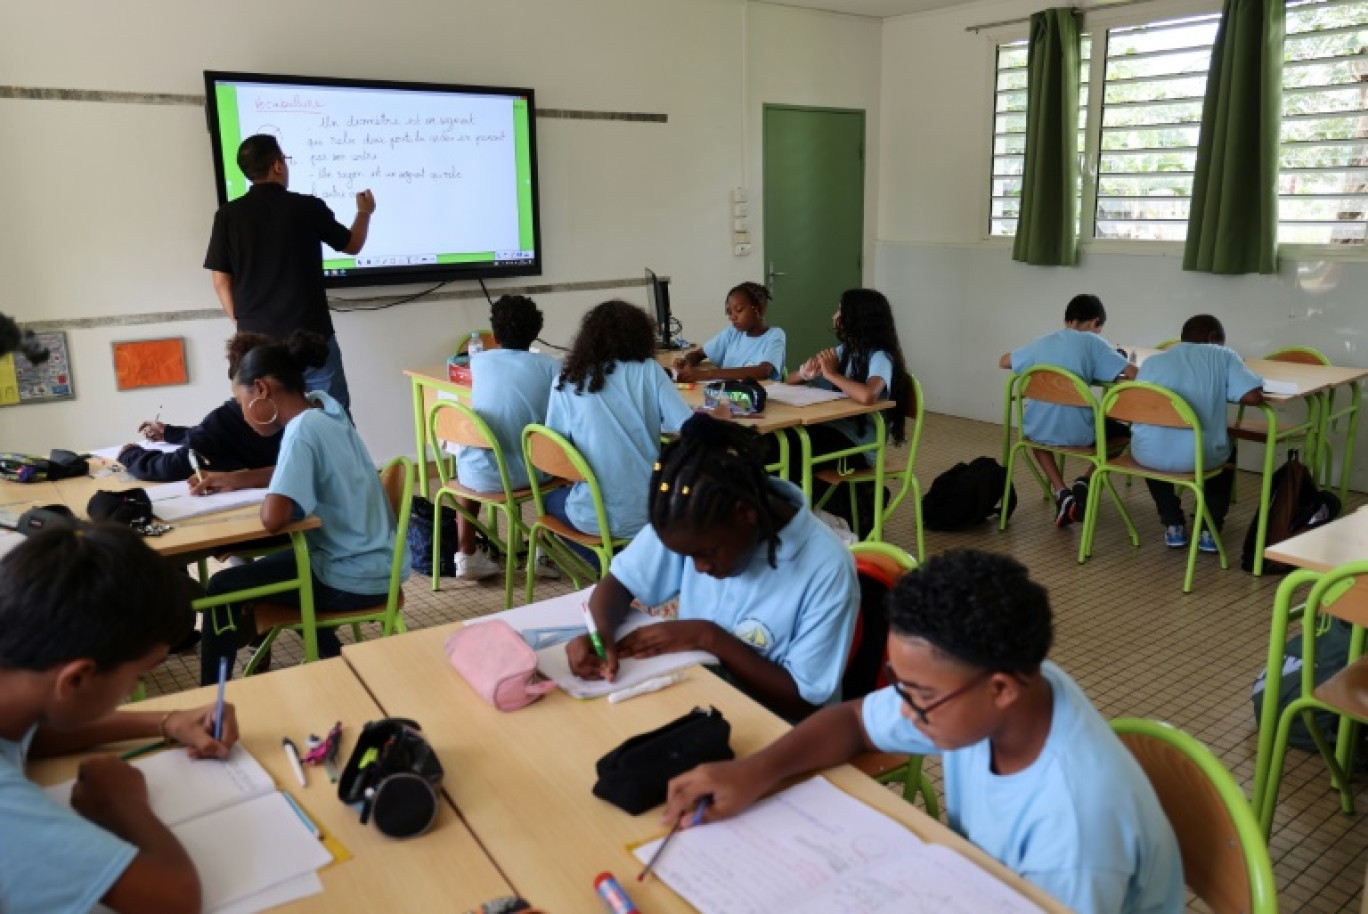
(1055, 385)
(1301, 355)
(457, 423)
(1168, 344)
(878, 566)
(1150, 404)
(1225, 859)
(396, 478)
(550, 452)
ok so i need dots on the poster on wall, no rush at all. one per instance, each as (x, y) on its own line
(23, 382)
(150, 363)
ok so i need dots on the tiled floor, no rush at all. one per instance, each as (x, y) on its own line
(1125, 631)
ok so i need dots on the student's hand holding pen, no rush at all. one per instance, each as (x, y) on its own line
(153, 430)
(209, 483)
(730, 788)
(587, 664)
(194, 729)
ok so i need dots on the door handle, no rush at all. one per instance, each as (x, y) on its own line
(773, 273)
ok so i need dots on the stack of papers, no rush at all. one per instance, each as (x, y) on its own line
(800, 394)
(112, 453)
(250, 847)
(1281, 388)
(562, 619)
(173, 502)
(813, 849)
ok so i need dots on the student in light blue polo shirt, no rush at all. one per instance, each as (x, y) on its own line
(1078, 348)
(323, 470)
(867, 366)
(612, 401)
(509, 390)
(763, 585)
(1206, 374)
(85, 613)
(747, 350)
(1033, 774)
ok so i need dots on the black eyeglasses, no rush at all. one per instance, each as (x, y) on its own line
(923, 710)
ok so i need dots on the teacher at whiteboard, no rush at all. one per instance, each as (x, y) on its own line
(266, 261)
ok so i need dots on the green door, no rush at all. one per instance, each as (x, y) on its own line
(814, 219)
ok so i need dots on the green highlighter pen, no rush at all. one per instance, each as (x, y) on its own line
(593, 631)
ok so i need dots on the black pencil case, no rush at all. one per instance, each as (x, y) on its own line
(635, 776)
(393, 775)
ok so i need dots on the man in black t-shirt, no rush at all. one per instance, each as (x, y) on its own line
(267, 262)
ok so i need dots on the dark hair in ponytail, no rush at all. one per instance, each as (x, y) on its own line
(866, 327)
(706, 472)
(285, 362)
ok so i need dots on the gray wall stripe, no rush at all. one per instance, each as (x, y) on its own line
(44, 93)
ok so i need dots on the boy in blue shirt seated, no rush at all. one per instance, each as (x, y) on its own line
(509, 389)
(1206, 374)
(1078, 348)
(84, 613)
(763, 585)
(1033, 774)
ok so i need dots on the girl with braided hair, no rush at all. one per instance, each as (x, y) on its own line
(763, 585)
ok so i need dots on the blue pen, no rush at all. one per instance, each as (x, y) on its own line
(697, 817)
(218, 711)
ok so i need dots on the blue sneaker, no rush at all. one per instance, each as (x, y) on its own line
(1206, 542)
(1175, 536)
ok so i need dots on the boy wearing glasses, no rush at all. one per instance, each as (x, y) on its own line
(1033, 774)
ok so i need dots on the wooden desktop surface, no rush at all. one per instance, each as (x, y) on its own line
(194, 536)
(1310, 379)
(523, 780)
(444, 870)
(1322, 548)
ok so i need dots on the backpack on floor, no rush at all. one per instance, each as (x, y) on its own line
(420, 538)
(1332, 655)
(1295, 504)
(967, 494)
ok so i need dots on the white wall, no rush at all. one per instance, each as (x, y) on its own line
(962, 301)
(108, 206)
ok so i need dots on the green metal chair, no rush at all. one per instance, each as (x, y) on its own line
(1049, 384)
(1225, 858)
(1149, 404)
(456, 423)
(1257, 430)
(913, 409)
(1343, 594)
(397, 478)
(549, 452)
(889, 563)
(1167, 344)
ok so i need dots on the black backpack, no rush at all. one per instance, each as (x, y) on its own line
(1294, 505)
(1332, 655)
(967, 494)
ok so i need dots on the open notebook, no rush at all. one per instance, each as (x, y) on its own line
(813, 848)
(173, 502)
(547, 625)
(249, 845)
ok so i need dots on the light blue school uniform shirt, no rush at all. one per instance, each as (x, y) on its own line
(880, 366)
(1082, 821)
(733, 349)
(1087, 355)
(618, 431)
(1207, 377)
(325, 470)
(51, 859)
(509, 390)
(800, 615)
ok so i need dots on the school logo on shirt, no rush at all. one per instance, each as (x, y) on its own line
(755, 633)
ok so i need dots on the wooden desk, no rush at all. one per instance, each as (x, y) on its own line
(1322, 548)
(445, 869)
(522, 780)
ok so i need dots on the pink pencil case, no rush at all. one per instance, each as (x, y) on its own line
(498, 664)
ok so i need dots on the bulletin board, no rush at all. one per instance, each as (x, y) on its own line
(150, 363)
(23, 382)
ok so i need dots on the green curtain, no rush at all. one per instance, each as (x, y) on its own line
(1047, 231)
(1233, 226)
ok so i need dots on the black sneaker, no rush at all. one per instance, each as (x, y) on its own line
(1080, 500)
(1065, 505)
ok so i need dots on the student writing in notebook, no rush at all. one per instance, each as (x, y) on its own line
(232, 454)
(1078, 347)
(1033, 773)
(324, 470)
(84, 613)
(1206, 374)
(763, 585)
(747, 350)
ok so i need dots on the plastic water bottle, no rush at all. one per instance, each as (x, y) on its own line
(475, 345)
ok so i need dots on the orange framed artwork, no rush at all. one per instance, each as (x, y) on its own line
(150, 363)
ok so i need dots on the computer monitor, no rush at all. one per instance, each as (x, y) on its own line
(659, 291)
